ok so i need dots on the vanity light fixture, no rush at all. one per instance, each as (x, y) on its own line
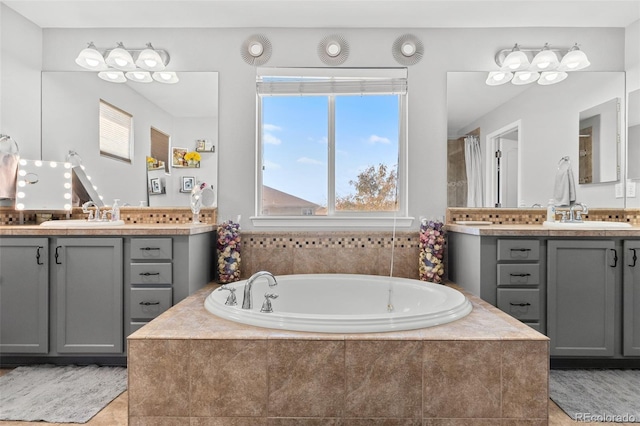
(119, 64)
(527, 65)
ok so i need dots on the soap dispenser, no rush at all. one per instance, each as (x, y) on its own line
(115, 210)
(551, 210)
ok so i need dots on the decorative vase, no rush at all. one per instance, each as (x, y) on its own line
(228, 252)
(431, 264)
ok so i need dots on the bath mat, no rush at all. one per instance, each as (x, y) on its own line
(59, 394)
(597, 395)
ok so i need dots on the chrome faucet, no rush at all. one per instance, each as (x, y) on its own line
(85, 209)
(577, 216)
(246, 302)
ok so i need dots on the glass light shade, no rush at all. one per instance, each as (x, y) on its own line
(91, 59)
(551, 77)
(525, 77)
(515, 61)
(150, 60)
(168, 77)
(497, 78)
(139, 76)
(545, 60)
(574, 60)
(112, 76)
(121, 59)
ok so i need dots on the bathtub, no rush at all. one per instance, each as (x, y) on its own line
(344, 303)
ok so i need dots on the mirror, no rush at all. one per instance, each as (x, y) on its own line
(540, 124)
(633, 136)
(43, 185)
(186, 112)
(599, 131)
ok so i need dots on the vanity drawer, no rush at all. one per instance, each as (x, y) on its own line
(519, 274)
(149, 302)
(518, 250)
(151, 249)
(520, 303)
(151, 273)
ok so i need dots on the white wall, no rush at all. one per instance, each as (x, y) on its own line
(445, 50)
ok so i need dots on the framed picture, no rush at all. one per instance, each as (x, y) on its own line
(155, 186)
(188, 182)
(200, 145)
(177, 157)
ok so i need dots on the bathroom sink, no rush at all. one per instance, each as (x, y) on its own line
(587, 224)
(80, 223)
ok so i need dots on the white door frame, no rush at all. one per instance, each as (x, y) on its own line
(490, 172)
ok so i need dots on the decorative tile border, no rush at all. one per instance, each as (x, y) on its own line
(130, 215)
(336, 240)
(505, 216)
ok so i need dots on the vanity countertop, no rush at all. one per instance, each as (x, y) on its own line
(129, 229)
(540, 231)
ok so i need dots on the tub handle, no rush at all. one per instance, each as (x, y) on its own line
(231, 299)
(266, 306)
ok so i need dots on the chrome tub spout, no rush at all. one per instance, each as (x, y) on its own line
(246, 302)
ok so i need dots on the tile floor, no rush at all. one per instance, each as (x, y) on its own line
(115, 414)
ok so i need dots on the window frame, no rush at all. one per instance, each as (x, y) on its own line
(107, 154)
(335, 218)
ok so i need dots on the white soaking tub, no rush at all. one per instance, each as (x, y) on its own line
(343, 303)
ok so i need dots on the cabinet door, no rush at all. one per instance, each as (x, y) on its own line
(631, 299)
(89, 285)
(581, 297)
(24, 295)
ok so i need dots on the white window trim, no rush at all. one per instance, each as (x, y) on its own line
(351, 220)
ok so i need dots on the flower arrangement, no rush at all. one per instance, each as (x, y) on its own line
(228, 252)
(192, 156)
(431, 251)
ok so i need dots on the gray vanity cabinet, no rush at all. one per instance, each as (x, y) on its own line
(581, 297)
(631, 300)
(89, 295)
(24, 295)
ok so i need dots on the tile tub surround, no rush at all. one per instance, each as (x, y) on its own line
(357, 252)
(130, 215)
(189, 366)
(529, 216)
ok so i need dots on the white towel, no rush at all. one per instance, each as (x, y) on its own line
(564, 190)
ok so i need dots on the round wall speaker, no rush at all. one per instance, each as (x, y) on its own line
(333, 50)
(407, 49)
(256, 50)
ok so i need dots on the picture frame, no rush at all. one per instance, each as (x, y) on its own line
(154, 186)
(177, 156)
(187, 183)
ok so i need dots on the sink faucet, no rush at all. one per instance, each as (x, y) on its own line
(85, 209)
(577, 216)
(246, 302)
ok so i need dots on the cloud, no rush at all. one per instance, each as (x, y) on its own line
(378, 139)
(270, 139)
(307, 160)
(271, 128)
(270, 165)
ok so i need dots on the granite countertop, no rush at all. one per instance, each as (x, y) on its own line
(540, 231)
(127, 229)
(189, 319)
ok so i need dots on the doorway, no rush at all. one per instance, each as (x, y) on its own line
(504, 175)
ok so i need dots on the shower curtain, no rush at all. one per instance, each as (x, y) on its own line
(473, 161)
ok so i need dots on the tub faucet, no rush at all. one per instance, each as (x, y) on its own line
(246, 302)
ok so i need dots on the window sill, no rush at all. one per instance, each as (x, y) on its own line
(330, 222)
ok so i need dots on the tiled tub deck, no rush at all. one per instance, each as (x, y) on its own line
(189, 367)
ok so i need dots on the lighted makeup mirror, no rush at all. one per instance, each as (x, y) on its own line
(43, 185)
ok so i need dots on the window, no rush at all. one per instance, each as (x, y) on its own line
(332, 142)
(116, 132)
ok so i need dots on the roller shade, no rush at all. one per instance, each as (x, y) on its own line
(330, 81)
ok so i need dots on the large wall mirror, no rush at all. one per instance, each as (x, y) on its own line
(185, 112)
(532, 127)
(633, 135)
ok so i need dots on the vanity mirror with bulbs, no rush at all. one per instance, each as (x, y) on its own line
(533, 126)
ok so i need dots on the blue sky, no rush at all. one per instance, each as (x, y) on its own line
(295, 134)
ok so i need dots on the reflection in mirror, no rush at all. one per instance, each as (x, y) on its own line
(633, 135)
(548, 120)
(598, 134)
(186, 112)
(43, 185)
